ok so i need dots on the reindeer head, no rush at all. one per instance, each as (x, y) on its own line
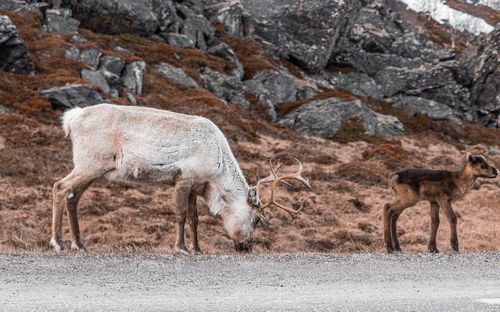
(480, 167)
(241, 226)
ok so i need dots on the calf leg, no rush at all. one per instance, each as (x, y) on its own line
(193, 222)
(391, 215)
(452, 218)
(387, 228)
(394, 231)
(183, 190)
(434, 227)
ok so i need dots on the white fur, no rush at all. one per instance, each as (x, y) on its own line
(146, 145)
(69, 117)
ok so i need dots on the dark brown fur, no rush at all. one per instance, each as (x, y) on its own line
(440, 188)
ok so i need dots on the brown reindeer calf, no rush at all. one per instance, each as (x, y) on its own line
(440, 188)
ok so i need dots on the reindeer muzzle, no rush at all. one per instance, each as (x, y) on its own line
(243, 247)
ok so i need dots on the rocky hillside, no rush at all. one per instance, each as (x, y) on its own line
(355, 89)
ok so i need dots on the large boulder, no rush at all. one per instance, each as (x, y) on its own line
(224, 51)
(275, 87)
(227, 88)
(114, 16)
(195, 27)
(14, 56)
(324, 118)
(304, 31)
(60, 20)
(229, 13)
(73, 95)
(133, 76)
(432, 82)
(17, 6)
(432, 109)
(485, 72)
(176, 74)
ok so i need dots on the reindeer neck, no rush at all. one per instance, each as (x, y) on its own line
(465, 178)
(228, 187)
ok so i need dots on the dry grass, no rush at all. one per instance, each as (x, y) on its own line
(342, 212)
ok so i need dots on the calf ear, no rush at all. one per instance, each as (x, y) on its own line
(470, 158)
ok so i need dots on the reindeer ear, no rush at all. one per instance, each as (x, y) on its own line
(253, 196)
(252, 191)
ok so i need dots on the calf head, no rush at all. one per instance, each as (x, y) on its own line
(480, 167)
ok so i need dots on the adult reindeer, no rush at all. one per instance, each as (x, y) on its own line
(151, 146)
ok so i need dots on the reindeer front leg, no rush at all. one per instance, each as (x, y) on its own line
(434, 227)
(193, 222)
(452, 218)
(183, 190)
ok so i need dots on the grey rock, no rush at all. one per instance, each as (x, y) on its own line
(275, 87)
(114, 16)
(91, 57)
(131, 98)
(14, 55)
(133, 77)
(376, 37)
(358, 84)
(165, 12)
(111, 68)
(4, 109)
(77, 39)
(60, 21)
(114, 93)
(121, 50)
(73, 95)
(230, 14)
(324, 118)
(97, 79)
(196, 27)
(485, 72)
(72, 53)
(224, 51)
(178, 40)
(305, 89)
(432, 109)
(305, 32)
(227, 88)
(176, 74)
(433, 82)
(493, 151)
(17, 6)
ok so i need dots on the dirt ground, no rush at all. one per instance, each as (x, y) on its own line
(342, 212)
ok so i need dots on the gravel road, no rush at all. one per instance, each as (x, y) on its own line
(271, 282)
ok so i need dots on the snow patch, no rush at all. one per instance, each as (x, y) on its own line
(495, 4)
(442, 13)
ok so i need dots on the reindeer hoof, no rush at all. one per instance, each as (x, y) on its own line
(57, 246)
(182, 250)
(78, 247)
(433, 250)
(197, 252)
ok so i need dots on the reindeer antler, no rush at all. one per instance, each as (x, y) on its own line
(275, 179)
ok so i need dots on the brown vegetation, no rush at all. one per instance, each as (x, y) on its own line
(343, 211)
